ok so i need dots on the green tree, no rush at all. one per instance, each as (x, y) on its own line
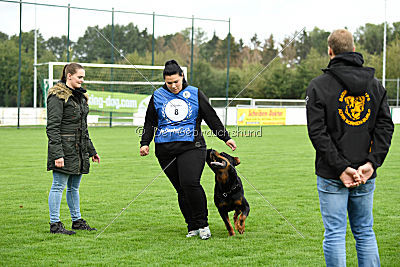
(221, 53)
(370, 37)
(396, 31)
(393, 59)
(254, 86)
(3, 36)
(9, 50)
(28, 42)
(208, 49)
(303, 45)
(58, 46)
(308, 70)
(371, 60)
(199, 35)
(318, 40)
(255, 52)
(127, 39)
(274, 82)
(9, 73)
(289, 54)
(209, 79)
(279, 83)
(269, 51)
(255, 42)
(393, 67)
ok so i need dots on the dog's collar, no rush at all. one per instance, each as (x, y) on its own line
(233, 190)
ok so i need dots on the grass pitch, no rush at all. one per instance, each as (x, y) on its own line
(280, 164)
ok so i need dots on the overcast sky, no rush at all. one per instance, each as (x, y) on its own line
(281, 18)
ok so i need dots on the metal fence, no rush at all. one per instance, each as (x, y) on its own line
(67, 16)
(393, 88)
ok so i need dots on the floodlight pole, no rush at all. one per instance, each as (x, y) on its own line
(35, 68)
(112, 57)
(384, 52)
(153, 41)
(191, 52)
(19, 62)
(153, 44)
(69, 13)
(227, 72)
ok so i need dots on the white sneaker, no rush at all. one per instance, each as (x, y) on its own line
(193, 233)
(205, 233)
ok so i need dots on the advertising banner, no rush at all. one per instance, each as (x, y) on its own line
(261, 116)
(116, 102)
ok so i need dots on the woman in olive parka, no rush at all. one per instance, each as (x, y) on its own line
(69, 145)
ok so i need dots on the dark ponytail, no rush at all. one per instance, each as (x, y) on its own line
(172, 67)
(71, 68)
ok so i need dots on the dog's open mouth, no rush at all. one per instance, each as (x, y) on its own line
(217, 162)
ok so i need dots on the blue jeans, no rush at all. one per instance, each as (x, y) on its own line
(335, 201)
(60, 180)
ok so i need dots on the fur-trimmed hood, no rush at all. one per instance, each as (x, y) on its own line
(62, 91)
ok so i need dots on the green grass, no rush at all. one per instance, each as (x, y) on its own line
(280, 164)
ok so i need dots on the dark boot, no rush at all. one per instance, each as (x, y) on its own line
(58, 228)
(81, 224)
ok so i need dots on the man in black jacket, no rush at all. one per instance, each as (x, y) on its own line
(350, 127)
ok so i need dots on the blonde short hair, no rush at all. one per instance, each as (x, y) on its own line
(341, 41)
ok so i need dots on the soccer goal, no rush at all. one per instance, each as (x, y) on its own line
(118, 94)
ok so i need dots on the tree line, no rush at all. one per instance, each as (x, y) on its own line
(285, 78)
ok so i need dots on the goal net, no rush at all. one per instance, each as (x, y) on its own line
(118, 94)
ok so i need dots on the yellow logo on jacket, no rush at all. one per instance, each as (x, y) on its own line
(354, 110)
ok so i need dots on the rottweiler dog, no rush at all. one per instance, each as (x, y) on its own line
(228, 190)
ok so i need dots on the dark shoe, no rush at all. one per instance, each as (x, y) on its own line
(81, 224)
(58, 228)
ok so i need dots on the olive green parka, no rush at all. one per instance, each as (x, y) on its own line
(67, 131)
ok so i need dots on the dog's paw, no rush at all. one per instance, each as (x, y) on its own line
(240, 229)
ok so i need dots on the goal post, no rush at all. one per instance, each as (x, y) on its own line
(116, 91)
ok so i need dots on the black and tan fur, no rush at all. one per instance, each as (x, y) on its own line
(228, 190)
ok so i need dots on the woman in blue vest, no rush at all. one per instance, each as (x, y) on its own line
(174, 115)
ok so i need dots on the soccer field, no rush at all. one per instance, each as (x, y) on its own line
(151, 231)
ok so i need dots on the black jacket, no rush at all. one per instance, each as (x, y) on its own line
(67, 130)
(348, 117)
(206, 112)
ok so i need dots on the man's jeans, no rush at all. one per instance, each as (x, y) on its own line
(60, 180)
(335, 201)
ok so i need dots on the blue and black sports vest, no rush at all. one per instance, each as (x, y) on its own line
(177, 114)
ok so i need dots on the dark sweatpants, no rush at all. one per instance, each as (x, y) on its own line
(184, 174)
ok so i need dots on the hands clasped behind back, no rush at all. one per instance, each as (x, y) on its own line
(353, 178)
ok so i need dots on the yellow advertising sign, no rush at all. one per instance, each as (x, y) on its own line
(261, 116)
